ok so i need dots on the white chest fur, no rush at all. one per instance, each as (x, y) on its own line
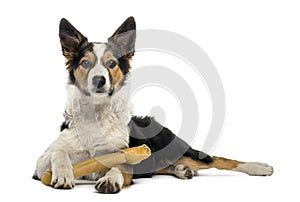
(102, 127)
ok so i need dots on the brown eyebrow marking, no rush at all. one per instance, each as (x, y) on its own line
(116, 73)
(90, 56)
(81, 73)
(81, 76)
(107, 55)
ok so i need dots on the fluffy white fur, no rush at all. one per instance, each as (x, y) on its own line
(97, 125)
(255, 168)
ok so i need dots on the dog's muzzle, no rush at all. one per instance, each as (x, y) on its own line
(99, 82)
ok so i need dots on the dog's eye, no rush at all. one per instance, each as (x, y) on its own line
(86, 64)
(111, 63)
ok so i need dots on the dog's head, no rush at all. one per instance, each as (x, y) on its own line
(98, 68)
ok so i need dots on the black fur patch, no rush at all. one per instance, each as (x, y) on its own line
(64, 126)
(147, 131)
(124, 64)
(198, 155)
(35, 177)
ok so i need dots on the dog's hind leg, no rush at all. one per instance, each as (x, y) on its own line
(193, 160)
(198, 160)
(250, 168)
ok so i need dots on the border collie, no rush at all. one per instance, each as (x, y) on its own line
(98, 120)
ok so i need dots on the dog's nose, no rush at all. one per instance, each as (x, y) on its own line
(99, 81)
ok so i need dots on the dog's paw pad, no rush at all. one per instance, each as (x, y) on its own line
(183, 172)
(107, 185)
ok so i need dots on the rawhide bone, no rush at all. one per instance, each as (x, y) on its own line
(133, 155)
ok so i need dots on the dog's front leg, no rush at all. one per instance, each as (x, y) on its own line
(116, 178)
(62, 170)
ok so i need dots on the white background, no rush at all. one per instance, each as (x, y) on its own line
(255, 46)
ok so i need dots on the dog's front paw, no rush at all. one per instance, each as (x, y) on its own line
(108, 185)
(111, 183)
(63, 179)
(255, 168)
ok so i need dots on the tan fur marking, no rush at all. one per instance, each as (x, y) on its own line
(223, 163)
(126, 171)
(165, 171)
(107, 55)
(116, 75)
(218, 162)
(81, 75)
(88, 56)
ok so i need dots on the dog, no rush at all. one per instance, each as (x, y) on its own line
(98, 120)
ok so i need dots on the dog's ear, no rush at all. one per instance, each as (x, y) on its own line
(124, 38)
(72, 41)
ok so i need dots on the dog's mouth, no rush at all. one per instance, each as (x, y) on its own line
(110, 92)
(100, 90)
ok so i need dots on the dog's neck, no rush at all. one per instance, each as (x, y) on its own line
(91, 108)
(98, 119)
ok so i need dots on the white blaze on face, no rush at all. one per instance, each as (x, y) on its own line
(98, 69)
